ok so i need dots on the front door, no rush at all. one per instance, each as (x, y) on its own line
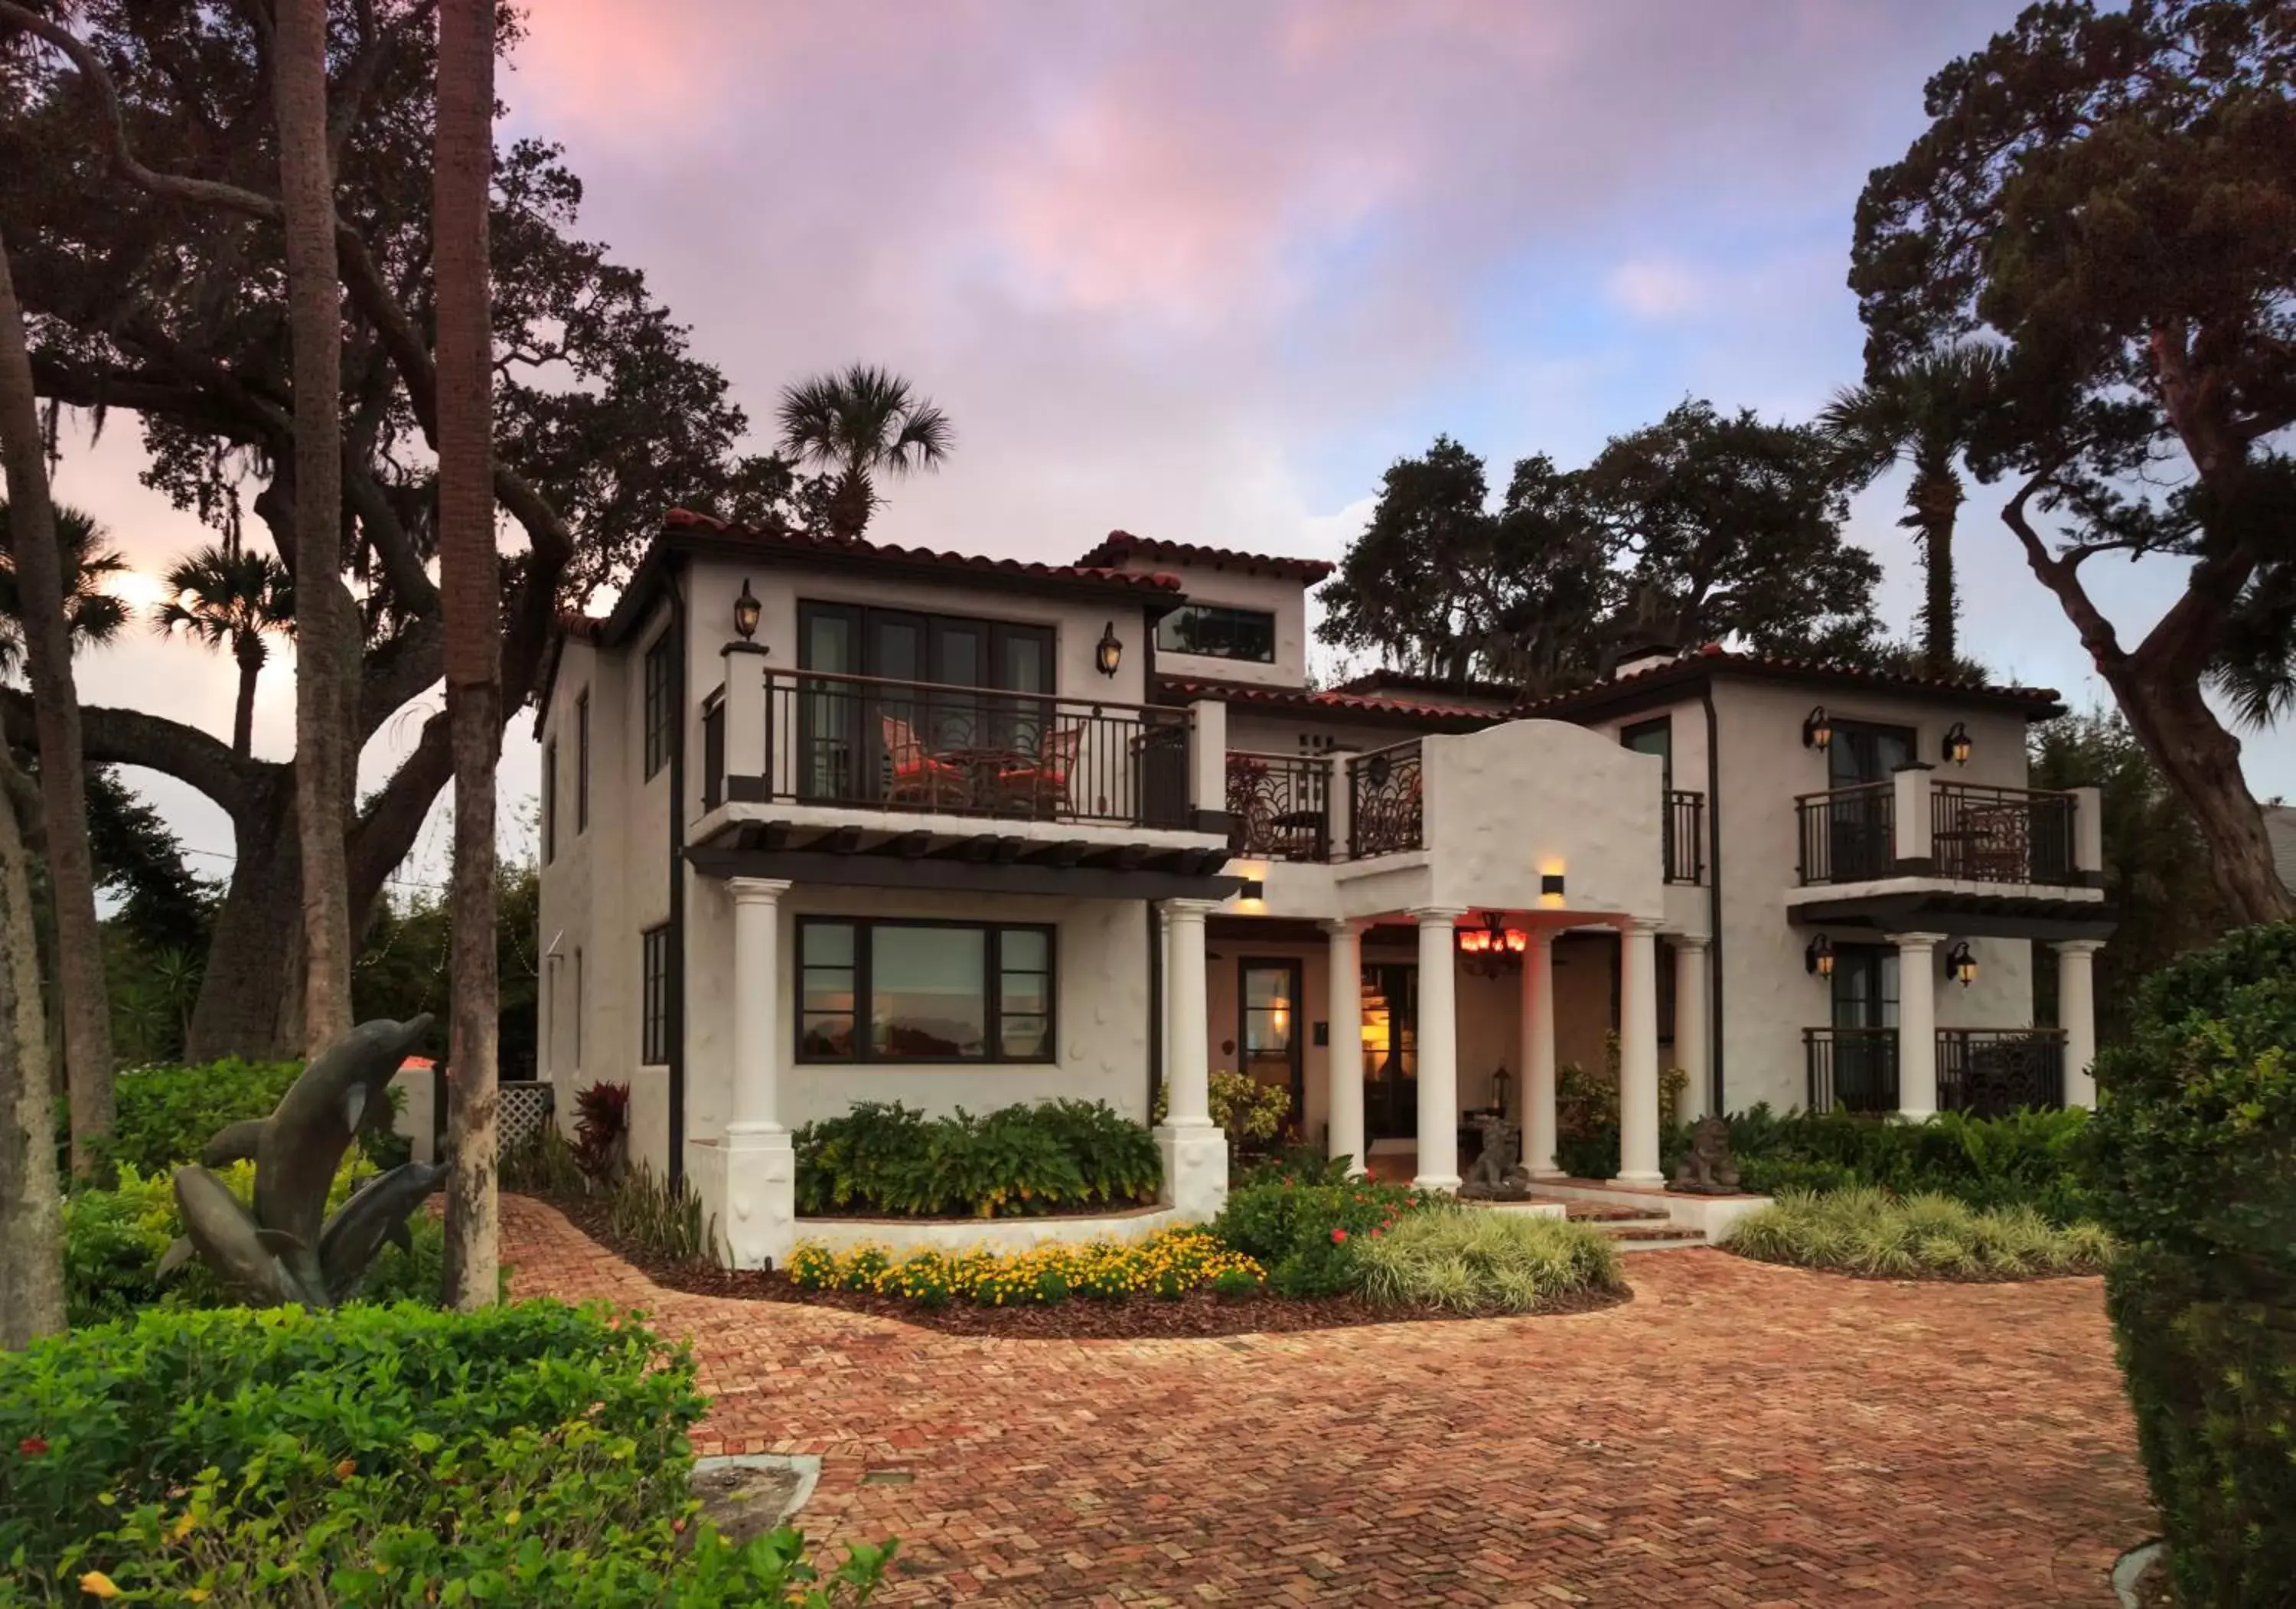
(1390, 1051)
(1270, 1036)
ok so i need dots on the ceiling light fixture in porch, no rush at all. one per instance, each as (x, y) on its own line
(1817, 730)
(1958, 744)
(1492, 946)
(1819, 957)
(746, 611)
(1961, 965)
(1110, 653)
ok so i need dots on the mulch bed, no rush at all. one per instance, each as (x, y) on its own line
(1198, 1314)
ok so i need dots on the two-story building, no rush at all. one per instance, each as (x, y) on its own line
(828, 822)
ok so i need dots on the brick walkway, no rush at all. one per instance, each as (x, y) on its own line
(1737, 1434)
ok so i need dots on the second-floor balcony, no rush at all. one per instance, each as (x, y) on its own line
(1987, 1072)
(1913, 826)
(1347, 807)
(879, 744)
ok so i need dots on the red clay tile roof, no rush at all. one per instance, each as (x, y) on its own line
(683, 519)
(2038, 704)
(1399, 681)
(1326, 701)
(1122, 545)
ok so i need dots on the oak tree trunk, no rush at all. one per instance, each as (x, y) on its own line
(55, 705)
(326, 626)
(2201, 761)
(470, 597)
(251, 962)
(31, 1210)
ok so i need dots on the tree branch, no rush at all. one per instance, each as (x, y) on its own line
(2063, 576)
(410, 583)
(415, 660)
(131, 737)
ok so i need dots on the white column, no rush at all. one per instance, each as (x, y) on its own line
(1438, 1049)
(1343, 1095)
(745, 709)
(1690, 1026)
(1913, 830)
(1208, 755)
(1195, 1151)
(749, 1179)
(1537, 1057)
(1638, 1116)
(2077, 1011)
(1917, 965)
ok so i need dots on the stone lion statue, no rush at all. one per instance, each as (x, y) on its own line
(1497, 1175)
(1706, 1168)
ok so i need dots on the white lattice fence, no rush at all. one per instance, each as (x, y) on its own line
(524, 1110)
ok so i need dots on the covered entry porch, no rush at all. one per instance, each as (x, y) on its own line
(1394, 1034)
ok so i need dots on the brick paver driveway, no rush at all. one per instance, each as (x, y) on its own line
(1736, 1434)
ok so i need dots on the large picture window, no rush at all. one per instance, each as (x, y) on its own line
(582, 762)
(654, 1015)
(923, 992)
(1219, 632)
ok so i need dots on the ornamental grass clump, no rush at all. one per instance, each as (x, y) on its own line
(1865, 1231)
(1168, 1265)
(1474, 1260)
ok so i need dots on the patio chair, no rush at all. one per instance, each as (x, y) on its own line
(912, 774)
(1041, 786)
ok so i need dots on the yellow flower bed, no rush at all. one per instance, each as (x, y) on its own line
(1167, 1264)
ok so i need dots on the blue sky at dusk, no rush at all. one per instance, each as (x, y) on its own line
(1202, 271)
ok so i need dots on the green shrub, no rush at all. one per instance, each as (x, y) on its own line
(165, 1116)
(1247, 1113)
(1866, 1230)
(1469, 1260)
(887, 1160)
(1307, 1236)
(530, 1453)
(114, 1239)
(2027, 1159)
(2194, 1167)
(1587, 1112)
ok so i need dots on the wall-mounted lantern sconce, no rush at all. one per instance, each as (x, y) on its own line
(1818, 958)
(1110, 653)
(1817, 730)
(1502, 1085)
(746, 611)
(1958, 744)
(1961, 964)
(1253, 889)
(1550, 885)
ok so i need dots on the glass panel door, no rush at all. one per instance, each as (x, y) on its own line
(1270, 993)
(1390, 1051)
(828, 716)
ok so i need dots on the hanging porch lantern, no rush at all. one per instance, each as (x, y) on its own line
(1818, 958)
(1817, 730)
(1957, 745)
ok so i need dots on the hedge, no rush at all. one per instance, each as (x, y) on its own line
(527, 1454)
(163, 1117)
(2194, 1168)
(2027, 1159)
(891, 1160)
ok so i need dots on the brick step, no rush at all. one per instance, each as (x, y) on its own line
(1659, 1230)
(1604, 1212)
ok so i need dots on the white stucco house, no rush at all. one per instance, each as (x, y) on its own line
(834, 821)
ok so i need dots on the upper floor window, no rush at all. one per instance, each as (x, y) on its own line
(948, 650)
(582, 762)
(659, 715)
(549, 801)
(1219, 632)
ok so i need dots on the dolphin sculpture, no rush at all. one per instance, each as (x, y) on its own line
(284, 1251)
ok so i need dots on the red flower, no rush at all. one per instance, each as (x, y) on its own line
(1375, 1234)
(32, 1446)
(1339, 1237)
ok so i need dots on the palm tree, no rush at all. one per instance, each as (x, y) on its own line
(231, 599)
(856, 425)
(94, 616)
(1922, 413)
(470, 588)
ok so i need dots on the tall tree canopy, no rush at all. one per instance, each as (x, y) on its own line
(1703, 526)
(2111, 199)
(139, 166)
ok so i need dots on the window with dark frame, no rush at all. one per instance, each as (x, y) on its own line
(653, 1019)
(1217, 631)
(577, 1008)
(550, 801)
(657, 713)
(582, 762)
(925, 991)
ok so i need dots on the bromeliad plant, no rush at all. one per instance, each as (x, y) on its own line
(1168, 1265)
(602, 1131)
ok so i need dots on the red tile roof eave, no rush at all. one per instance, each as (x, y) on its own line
(2038, 704)
(1120, 545)
(1323, 700)
(702, 532)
